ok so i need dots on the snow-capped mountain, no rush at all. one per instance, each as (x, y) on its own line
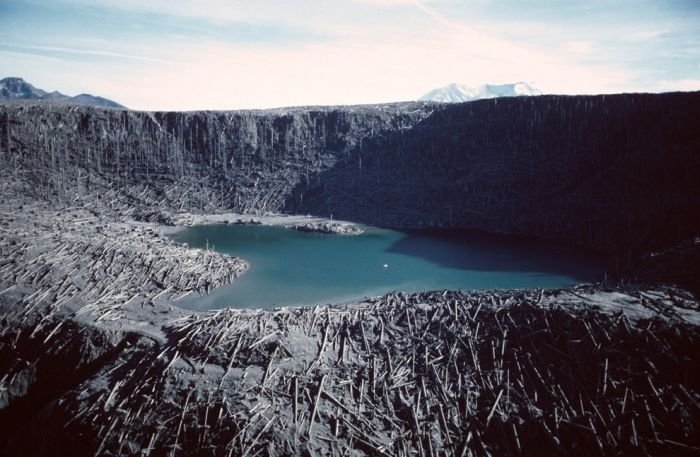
(456, 93)
(18, 89)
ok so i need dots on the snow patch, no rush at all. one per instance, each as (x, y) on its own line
(457, 93)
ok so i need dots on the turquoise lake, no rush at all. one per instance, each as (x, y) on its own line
(289, 267)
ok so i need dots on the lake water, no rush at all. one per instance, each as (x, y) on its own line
(289, 267)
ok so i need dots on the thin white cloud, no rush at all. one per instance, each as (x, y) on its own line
(644, 35)
(84, 52)
(219, 12)
(32, 56)
(432, 13)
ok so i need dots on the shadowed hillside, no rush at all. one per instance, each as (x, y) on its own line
(614, 173)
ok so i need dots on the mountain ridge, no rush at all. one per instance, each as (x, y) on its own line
(15, 88)
(458, 93)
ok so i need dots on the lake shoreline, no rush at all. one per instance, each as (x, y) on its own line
(291, 221)
(290, 268)
(100, 291)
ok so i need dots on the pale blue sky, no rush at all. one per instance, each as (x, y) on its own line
(227, 54)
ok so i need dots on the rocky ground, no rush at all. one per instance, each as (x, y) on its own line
(97, 359)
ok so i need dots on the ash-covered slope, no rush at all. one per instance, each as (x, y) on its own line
(247, 161)
(616, 173)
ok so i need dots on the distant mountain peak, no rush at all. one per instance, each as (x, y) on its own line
(14, 88)
(456, 93)
(17, 88)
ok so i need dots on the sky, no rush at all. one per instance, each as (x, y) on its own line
(230, 54)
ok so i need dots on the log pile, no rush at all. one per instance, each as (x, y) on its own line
(98, 267)
(59, 266)
(451, 373)
(334, 228)
(93, 354)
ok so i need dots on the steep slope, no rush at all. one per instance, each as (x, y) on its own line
(614, 173)
(248, 161)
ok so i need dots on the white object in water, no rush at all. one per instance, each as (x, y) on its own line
(386, 265)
